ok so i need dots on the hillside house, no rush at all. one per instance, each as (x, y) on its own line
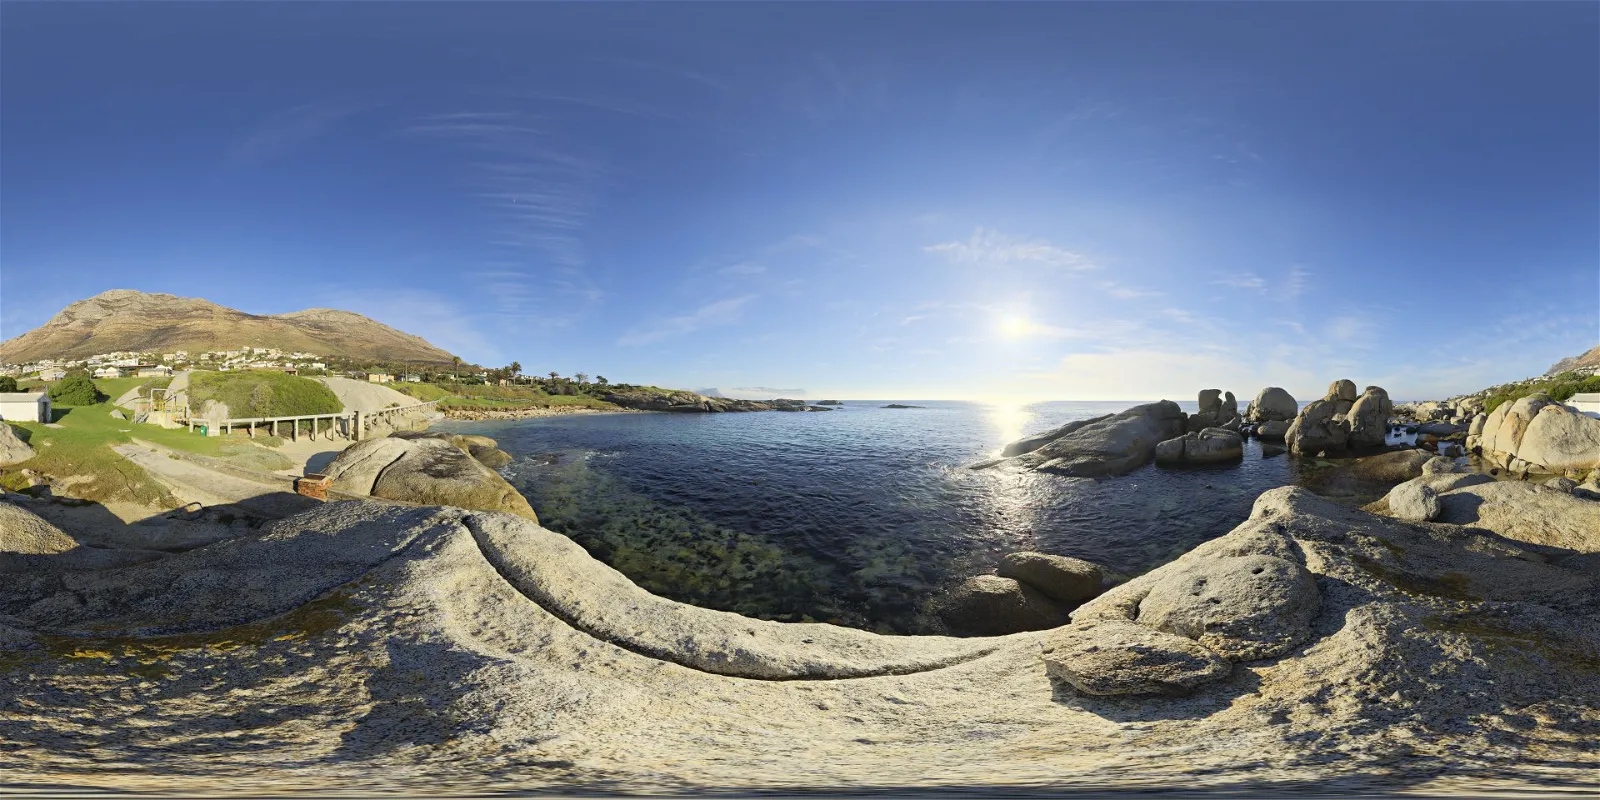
(155, 371)
(380, 377)
(1587, 404)
(52, 374)
(25, 406)
(108, 372)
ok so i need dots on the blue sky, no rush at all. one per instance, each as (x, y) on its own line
(1068, 200)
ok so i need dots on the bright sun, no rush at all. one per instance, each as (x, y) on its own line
(1013, 326)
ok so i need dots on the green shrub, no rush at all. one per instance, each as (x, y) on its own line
(1560, 388)
(77, 390)
(262, 393)
(8, 383)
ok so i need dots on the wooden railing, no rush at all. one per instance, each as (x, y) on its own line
(348, 424)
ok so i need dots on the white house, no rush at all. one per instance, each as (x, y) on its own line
(108, 372)
(52, 374)
(25, 406)
(158, 371)
(1587, 403)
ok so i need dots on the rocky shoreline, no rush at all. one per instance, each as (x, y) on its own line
(434, 633)
(482, 414)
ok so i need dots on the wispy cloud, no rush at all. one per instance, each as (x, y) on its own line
(1242, 280)
(1121, 292)
(991, 248)
(288, 130)
(743, 268)
(722, 312)
(1295, 286)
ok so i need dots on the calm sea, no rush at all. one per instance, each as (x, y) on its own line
(855, 516)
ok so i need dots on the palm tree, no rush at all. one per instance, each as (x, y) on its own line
(455, 369)
(515, 369)
(581, 377)
(601, 379)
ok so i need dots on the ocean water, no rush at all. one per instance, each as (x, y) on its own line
(858, 516)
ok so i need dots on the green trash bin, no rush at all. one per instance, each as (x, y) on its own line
(203, 431)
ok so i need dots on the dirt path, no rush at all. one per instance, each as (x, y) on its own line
(193, 482)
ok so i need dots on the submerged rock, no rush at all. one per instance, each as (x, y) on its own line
(1069, 580)
(990, 605)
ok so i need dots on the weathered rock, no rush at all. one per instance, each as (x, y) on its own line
(1272, 430)
(486, 450)
(1273, 405)
(1437, 428)
(1317, 428)
(1111, 657)
(1562, 484)
(1069, 580)
(1029, 444)
(358, 466)
(435, 472)
(1242, 608)
(1414, 501)
(1210, 446)
(1526, 512)
(1368, 419)
(1342, 389)
(1217, 410)
(989, 605)
(1107, 446)
(12, 449)
(425, 470)
(1559, 439)
(1439, 465)
(22, 532)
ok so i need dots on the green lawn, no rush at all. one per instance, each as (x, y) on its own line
(262, 393)
(490, 397)
(81, 450)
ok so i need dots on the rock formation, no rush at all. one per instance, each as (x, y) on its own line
(991, 605)
(1272, 404)
(1209, 446)
(475, 652)
(424, 470)
(1537, 435)
(1104, 446)
(1062, 578)
(1217, 410)
(12, 449)
(1341, 420)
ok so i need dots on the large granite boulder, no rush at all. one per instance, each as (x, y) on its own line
(1107, 446)
(1062, 578)
(429, 471)
(1209, 446)
(1415, 501)
(1318, 427)
(1560, 440)
(1272, 404)
(990, 605)
(486, 450)
(1368, 418)
(1028, 444)
(1342, 390)
(23, 533)
(12, 449)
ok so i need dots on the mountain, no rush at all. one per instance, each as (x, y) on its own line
(1589, 359)
(122, 319)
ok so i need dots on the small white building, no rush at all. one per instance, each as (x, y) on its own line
(1587, 404)
(157, 371)
(52, 374)
(108, 372)
(25, 406)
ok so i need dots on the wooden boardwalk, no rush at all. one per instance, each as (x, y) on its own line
(350, 425)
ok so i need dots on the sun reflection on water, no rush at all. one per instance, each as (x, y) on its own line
(1011, 506)
(1008, 419)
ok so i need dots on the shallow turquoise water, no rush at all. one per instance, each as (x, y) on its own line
(858, 515)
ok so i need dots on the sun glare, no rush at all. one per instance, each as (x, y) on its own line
(1013, 326)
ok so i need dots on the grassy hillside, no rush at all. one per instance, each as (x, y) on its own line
(489, 397)
(79, 454)
(262, 393)
(1560, 387)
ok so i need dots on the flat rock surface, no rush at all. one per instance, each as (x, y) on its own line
(436, 650)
